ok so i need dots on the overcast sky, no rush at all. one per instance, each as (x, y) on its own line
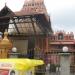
(62, 12)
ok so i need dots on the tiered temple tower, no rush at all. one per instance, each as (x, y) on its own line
(34, 6)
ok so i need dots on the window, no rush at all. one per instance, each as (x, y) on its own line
(29, 4)
(71, 37)
(25, 5)
(32, 4)
(38, 4)
(60, 37)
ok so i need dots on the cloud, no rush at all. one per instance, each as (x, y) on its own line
(62, 15)
(14, 5)
(64, 20)
(58, 5)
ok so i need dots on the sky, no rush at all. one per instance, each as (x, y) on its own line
(62, 12)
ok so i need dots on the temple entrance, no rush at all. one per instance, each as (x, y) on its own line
(31, 46)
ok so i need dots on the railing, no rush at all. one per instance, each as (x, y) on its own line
(55, 69)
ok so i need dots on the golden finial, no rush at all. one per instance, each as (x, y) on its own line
(5, 33)
(5, 3)
(5, 42)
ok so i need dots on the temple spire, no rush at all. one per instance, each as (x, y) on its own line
(5, 3)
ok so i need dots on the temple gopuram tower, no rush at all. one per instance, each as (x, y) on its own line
(34, 7)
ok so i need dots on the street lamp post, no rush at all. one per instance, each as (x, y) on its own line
(14, 53)
(65, 61)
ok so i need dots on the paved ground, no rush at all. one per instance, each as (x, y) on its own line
(56, 73)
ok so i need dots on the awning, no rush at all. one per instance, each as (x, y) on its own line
(19, 64)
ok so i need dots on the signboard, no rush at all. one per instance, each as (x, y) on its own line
(6, 65)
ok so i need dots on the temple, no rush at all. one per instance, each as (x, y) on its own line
(27, 28)
(56, 42)
(30, 31)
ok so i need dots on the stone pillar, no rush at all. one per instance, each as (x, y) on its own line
(14, 55)
(47, 44)
(65, 64)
